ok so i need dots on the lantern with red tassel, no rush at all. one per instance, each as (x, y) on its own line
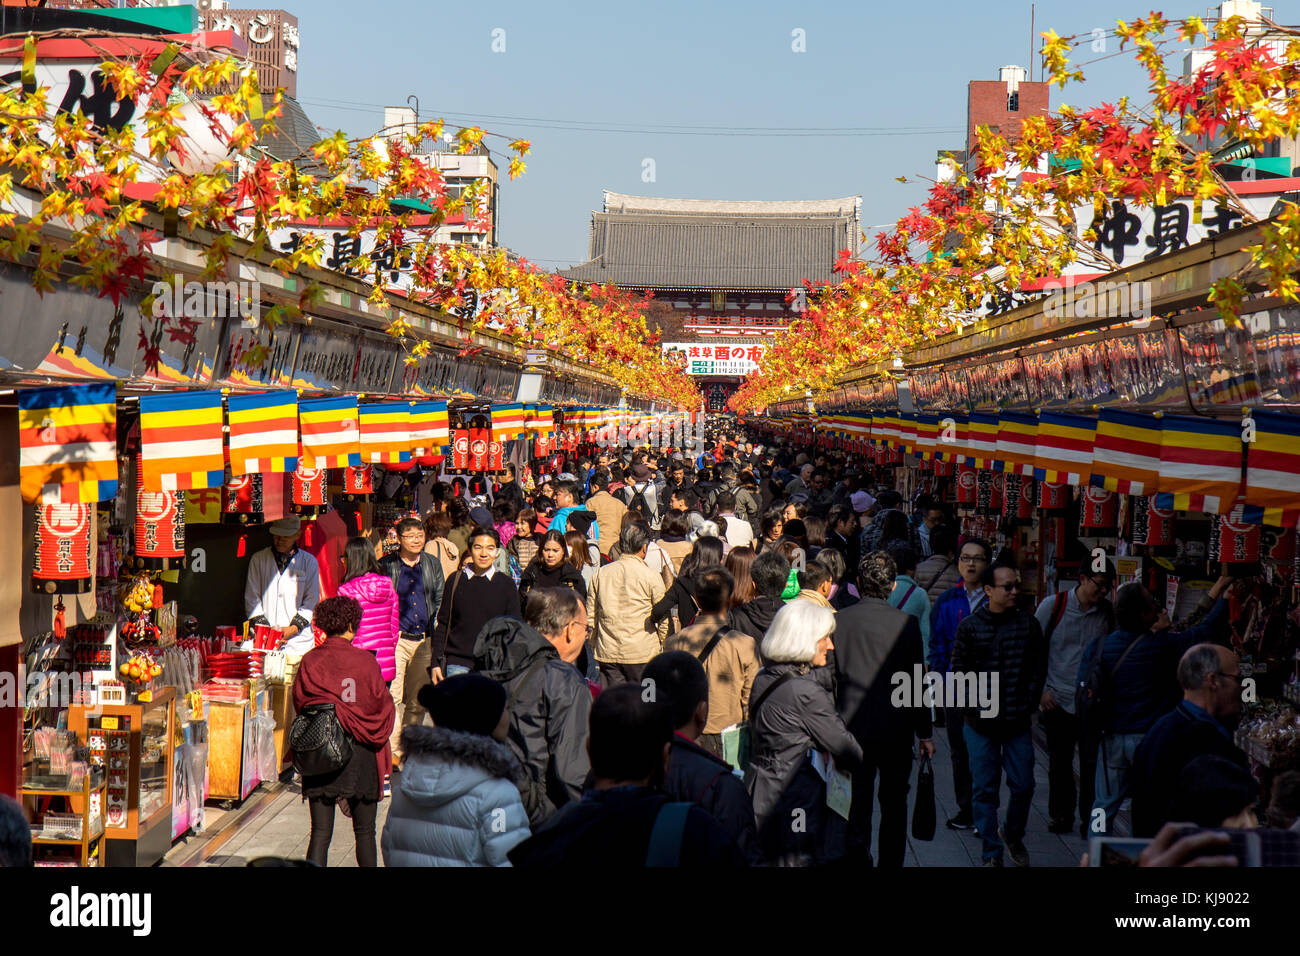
(61, 558)
(1099, 512)
(1232, 541)
(480, 442)
(460, 449)
(358, 480)
(243, 498)
(496, 456)
(308, 491)
(159, 529)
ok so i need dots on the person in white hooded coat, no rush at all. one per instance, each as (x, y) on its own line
(455, 800)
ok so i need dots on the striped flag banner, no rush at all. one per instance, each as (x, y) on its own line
(430, 427)
(540, 419)
(181, 444)
(927, 435)
(1017, 442)
(889, 428)
(386, 433)
(1200, 464)
(330, 435)
(263, 432)
(952, 441)
(1126, 453)
(1063, 449)
(508, 421)
(1273, 467)
(982, 440)
(907, 432)
(67, 439)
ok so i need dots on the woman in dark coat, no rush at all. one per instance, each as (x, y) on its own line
(550, 568)
(705, 553)
(349, 678)
(792, 711)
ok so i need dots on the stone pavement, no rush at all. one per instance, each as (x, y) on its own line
(282, 828)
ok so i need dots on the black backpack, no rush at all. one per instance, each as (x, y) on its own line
(1092, 697)
(638, 500)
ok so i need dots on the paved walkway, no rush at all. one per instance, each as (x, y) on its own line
(282, 828)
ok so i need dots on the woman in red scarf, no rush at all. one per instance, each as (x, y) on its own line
(349, 678)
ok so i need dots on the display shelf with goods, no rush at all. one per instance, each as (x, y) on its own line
(134, 745)
(64, 799)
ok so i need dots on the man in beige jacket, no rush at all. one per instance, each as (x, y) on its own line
(609, 512)
(730, 657)
(620, 599)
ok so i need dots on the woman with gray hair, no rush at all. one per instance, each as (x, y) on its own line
(792, 711)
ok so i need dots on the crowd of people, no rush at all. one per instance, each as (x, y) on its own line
(665, 661)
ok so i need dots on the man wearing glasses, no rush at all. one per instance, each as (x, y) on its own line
(999, 639)
(417, 578)
(949, 610)
(1071, 620)
(1201, 725)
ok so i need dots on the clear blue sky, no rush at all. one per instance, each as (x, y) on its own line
(630, 66)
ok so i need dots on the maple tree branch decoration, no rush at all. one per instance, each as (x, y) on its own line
(66, 210)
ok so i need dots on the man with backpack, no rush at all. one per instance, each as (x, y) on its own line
(1071, 620)
(1126, 682)
(642, 494)
(549, 700)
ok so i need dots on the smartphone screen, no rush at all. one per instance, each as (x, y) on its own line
(1115, 851)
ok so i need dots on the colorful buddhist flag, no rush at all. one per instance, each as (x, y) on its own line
(540, 419)
(430, 427)
(1273, 468)
(907, 432)
(181, 441)
(1063, 448)
(508, 421)
(951, 443)
(1200, 464)
(67, 440)
(1017, 442)
(982, 440)
(263, 432)
(386, 433)
(1126, 453)
(927, 435)
(330, 435)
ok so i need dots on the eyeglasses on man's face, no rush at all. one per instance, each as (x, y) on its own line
(1013, 586)
(973, 559)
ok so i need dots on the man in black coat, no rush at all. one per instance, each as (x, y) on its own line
(694, 774)
(1202, 724)
(875, 644)
(999, 652)
(769, 572)
(626, 820)
(549, 702)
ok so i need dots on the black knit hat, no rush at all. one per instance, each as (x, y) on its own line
(469, 702)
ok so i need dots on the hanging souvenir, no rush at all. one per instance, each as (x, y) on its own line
(1053, 495)
(988, 491)
(243, 498)
(308, 490)
(159, 529)
(358, 480)
(460, 449)
(1232, 541)
(1018, 499)
(967, 485)
(1100, 510)
(1153, 526)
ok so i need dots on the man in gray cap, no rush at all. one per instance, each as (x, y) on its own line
(283, 586)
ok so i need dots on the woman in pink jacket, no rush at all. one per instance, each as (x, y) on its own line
(373, 590)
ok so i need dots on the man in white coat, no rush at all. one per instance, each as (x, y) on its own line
(284, 586)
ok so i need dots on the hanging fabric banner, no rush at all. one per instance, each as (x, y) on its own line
(1200, 464)
(385, 433)
(982, 441)
(1100, 509)
(67, 440)
(1017, 442)
(1273, 467)
(330, 434)
(263, 432)
(1063, 448)
(1126, 453)
(430, 427)
(1153, 524)
(181, 441)
(508, 422)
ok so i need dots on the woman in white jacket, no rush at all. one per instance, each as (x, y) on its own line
(455, 800)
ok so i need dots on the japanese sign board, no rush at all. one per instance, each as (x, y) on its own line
(700, 358)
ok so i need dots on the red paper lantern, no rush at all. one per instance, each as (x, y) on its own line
(542, 447)
(358, 480)
(480, 445)
(967, 485)
(460, 449)
(242, 497)
(308, 488)
(496, 456)
(988, 491)
(159, 526)
(61, 558)
(943, 469)
(1053, 495)
(1018, 498)
(1232, 541)
(1100, 509)
(1153, 527)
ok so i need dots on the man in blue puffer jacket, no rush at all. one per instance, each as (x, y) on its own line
(949, 610)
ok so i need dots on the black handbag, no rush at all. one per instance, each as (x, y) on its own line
(923, 817)
(320, 744)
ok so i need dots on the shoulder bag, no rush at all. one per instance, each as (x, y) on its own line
(320, 744)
